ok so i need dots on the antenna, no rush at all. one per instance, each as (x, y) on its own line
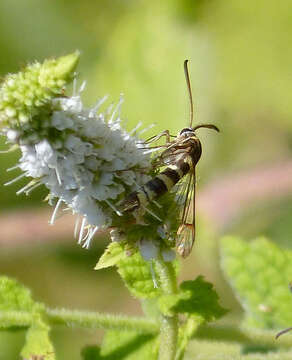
(189, 91)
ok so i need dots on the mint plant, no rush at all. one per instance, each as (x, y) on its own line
(89, 163)
(260, 273)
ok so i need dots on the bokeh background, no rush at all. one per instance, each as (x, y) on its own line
(240, 64)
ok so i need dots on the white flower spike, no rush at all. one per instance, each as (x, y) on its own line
(82, 155)
(89, 166)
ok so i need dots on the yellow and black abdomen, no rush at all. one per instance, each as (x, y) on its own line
(182, 158)
(157, 186)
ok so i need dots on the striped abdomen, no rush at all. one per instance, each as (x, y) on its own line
(157, 186)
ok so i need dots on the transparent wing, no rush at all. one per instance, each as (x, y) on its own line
(186, 231)
(181, 190)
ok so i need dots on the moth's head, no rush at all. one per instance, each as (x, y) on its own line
(187, 132)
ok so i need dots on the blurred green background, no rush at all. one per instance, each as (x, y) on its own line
(240, 64)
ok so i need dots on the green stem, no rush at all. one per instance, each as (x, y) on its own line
(14, 319)
(81, 319)
(92, 320)
(168, 337)
(244, 336)
(101, 321)
(185, 335)
(169, 324)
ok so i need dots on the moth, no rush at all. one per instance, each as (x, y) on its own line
(179, 158)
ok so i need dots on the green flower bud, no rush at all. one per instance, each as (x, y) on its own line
(23, 94)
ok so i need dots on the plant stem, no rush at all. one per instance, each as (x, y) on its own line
(82, 319)
(92, 320)
(14, 319)
(244, 336)
(101, 321)
(168, 337)
(187, 330)
(169, 324)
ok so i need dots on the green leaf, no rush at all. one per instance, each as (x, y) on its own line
(260, 272)
(37, 342)
(91, 353)
(139, 276)
(123, 346)
(196, 298)
(212, 349)
(112, 255)
(129, 346)
(14, 296)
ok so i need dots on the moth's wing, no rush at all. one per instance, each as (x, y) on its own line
(186, 231)
(164, 156)
(194, 207)
(180, 190)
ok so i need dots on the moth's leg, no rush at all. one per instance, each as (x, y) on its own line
(153, 147)
(157, 137)
(182, 145)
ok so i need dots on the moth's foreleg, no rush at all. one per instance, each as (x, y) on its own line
(159, 136)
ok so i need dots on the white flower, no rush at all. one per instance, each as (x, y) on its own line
(12, 135)
(148, 249)
(168, 255)
(88, 164)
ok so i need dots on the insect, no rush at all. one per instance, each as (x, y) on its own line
(180, 157)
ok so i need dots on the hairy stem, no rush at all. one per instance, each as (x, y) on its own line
(186, 332)
(245, 336)
(102, 321)
(92, 320)
(169, 324)
(14, 319)
(81, 319)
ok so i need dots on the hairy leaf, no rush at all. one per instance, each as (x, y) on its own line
(37, 342)
(139, 276)
(91, 352)
(129, 346)
(112, 255)
(16, 303)
(14, 296)
(196, 298)
(260, 272)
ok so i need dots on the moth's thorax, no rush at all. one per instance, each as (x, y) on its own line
(188, 139)
(195, 150)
